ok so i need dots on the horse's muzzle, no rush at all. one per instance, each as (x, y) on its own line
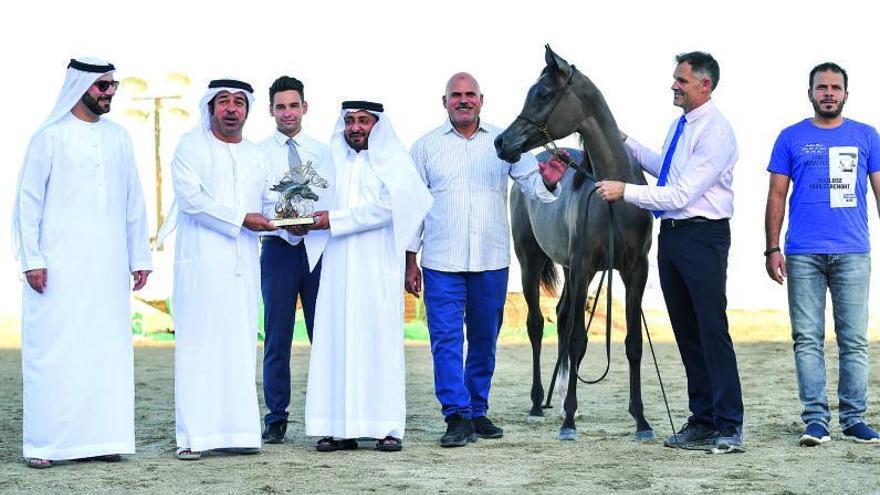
(509, 154)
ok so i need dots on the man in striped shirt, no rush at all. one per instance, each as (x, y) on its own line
(467, 253)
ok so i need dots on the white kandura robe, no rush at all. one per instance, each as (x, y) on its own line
(81, 216)
(356, 385)
(216, 292)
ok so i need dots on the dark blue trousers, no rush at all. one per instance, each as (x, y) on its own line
(475, 299)
(692, 261)
(284, 276)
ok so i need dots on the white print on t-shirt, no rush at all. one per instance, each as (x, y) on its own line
(843, 164)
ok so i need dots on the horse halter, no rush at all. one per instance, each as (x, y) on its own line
(550, 145)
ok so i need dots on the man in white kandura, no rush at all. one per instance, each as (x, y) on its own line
(356, 385)
(79, 216)
(219, 179)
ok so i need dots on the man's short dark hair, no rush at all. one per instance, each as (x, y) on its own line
(286, 83)
(703, 63)
(829, 66)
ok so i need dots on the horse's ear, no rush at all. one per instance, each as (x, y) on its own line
(549, 57)
(556, 62)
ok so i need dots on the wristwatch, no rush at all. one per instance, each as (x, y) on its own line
(772, 250)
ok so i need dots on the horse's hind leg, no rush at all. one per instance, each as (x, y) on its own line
(531, 273)
(562, 319)
(533, 263)
(635, 280)
(577, 343)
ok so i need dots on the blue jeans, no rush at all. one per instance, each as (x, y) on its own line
(475, 300)
(847, 277)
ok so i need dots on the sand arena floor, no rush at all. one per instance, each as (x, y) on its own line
(529, 459)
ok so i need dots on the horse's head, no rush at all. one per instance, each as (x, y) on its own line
(550, 111)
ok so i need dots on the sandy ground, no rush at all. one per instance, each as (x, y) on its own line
(529, 459)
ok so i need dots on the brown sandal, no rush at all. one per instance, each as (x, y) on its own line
(187, 454)
(330, 444)
(389, 444)
(37, 463)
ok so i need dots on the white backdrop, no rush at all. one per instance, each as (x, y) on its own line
(401, 53)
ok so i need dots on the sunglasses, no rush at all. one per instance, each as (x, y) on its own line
(104, 85)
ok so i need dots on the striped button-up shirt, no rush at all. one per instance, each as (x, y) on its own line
(467, 228)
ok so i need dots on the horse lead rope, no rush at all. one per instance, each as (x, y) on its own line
(613, 228)
(551, 147)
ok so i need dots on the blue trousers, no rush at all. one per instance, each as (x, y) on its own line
(454, 299)
(847, 277)
(692, 261)
(284, 275)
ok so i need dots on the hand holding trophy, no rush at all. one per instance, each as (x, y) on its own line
(296, 198)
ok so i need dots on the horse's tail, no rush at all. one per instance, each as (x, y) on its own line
(549, 276)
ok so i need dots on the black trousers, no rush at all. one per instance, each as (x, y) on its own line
(692, 260)
(284, 276)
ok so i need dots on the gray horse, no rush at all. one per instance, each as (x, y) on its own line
(561, 102)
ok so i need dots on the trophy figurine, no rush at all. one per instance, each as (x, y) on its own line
(296, 198)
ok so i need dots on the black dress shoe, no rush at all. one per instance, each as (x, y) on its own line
(274, 432)
(459, 431)
(485, 429)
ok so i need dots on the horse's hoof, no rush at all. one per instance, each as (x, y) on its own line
(567, 434)
(645, 436)
(534, 420)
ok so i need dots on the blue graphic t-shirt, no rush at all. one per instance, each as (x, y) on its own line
(829, 172)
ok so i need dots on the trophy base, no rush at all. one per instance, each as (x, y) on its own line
(285, 222)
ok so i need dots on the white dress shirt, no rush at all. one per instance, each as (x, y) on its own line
(700, 177)
(467, 228)
(276, 148)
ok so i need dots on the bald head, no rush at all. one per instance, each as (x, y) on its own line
(463, 101)
(464, 77)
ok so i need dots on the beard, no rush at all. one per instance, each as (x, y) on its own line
(93, 104)
(356, 146)
(827, 114)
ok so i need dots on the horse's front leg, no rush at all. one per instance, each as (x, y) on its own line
(635, 280)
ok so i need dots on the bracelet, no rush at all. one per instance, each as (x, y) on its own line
(772, 250)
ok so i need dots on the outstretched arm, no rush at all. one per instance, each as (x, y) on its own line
(529, 176)
(648, 159)
(194, 198)
(712, 157)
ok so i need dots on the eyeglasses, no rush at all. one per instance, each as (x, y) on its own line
(103, 85)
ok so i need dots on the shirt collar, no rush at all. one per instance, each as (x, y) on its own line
(351, 154)
(282, 138)
(700, 111)
(447, 127)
